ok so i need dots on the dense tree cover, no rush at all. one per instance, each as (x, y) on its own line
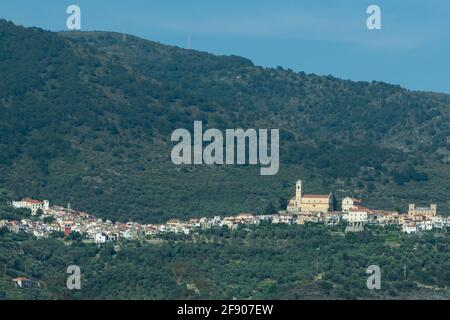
(9, 213)
(264, 262)
(86, 117)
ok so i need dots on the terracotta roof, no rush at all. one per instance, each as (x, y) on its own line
(358, 209)
(21, 279)
(245, 214)
(31, 200)
(321, 196)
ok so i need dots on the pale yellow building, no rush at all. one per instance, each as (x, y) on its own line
(427, 212)
(174, 222)
(350, 203)
(309, 202)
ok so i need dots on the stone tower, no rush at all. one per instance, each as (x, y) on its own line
(433, 209)
(298, 194)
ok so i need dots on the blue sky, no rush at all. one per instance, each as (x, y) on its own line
(317, 36)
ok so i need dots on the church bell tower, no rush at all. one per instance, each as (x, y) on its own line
(298, 194)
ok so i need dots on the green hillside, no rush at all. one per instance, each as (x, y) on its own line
(86, 117)
(266, 262)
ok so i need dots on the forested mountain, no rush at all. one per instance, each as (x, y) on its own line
(86, 117)
(265, 262)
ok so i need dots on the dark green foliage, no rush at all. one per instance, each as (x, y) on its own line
(271, 209)
(409, 174)
(48, 220)
(265, 262)
(86, 117)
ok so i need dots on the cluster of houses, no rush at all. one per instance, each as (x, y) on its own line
(65, 221)
(305, 207)
(300, 210)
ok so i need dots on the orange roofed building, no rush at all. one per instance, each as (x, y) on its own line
(309, 202)
(33, 205)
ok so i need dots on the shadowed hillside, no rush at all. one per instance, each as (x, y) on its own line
(86, 117)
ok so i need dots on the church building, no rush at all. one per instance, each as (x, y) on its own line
(309, 202)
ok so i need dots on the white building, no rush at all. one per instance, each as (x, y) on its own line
(33, 205)
(409, 228)
(100, 238)
(425, 225)
(332, 218)
(438, 221)
(357, 215)
(38, 233)
(23, 282)
(282, 218)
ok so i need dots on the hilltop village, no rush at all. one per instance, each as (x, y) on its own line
(302, 208)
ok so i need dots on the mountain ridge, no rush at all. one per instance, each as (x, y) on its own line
(87, 118)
